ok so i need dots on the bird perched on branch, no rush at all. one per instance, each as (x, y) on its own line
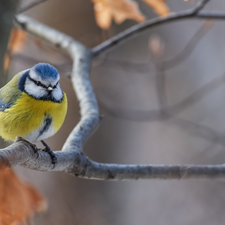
(33, 106)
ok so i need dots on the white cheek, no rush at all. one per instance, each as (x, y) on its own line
(34, 90)
(57, 93)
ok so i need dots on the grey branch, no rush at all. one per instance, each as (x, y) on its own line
(78, 164)
(72, 158)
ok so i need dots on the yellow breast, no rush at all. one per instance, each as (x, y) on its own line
(28, 114)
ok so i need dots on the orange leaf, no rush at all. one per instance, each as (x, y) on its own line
(103, 15)
(7, 59)
(16, 44)
(17, 40)
(158, 6)
(18, 200)
(119, 10)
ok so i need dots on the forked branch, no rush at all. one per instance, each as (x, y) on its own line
(72, 158)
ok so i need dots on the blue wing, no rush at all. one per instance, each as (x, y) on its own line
(4, 106)
(10, 93)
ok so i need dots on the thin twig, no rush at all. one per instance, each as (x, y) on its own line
(136, 29)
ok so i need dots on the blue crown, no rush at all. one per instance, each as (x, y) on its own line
(45, 71)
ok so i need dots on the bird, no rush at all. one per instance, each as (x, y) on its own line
(33, 106)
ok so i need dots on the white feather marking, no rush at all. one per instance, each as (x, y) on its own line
(32, 89)
(38, 91)
(57, 93)
(35, 135)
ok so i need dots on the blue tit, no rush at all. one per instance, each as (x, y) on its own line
(33, 105)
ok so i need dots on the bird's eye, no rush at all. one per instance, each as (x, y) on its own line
(38, 83)
(55, 85)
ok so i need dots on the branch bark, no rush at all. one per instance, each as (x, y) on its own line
(72, 158)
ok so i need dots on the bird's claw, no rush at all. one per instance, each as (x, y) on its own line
(52, 155)
(46, 149)
(32, 145)
(50, 152)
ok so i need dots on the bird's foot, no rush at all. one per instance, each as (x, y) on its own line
(50, 152)
(32, 145)
(46, 149)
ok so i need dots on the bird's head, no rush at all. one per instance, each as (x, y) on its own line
(42, 82)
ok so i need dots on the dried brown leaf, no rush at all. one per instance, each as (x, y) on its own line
(103, 15)
(119, 10)
(18, 200)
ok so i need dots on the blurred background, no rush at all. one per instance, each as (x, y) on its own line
(163, 97)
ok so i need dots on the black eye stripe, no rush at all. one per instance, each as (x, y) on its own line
(38, 83)
(55, 85)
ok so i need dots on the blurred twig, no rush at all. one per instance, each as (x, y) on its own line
(134, 30)
(160, 66)
(158, 115)
(201, 131)
(149, 115)
(30, 5)
(124, 65)
(156, 47)
(200, 5)
(190, 46)
(166, 63)
(169, 112)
